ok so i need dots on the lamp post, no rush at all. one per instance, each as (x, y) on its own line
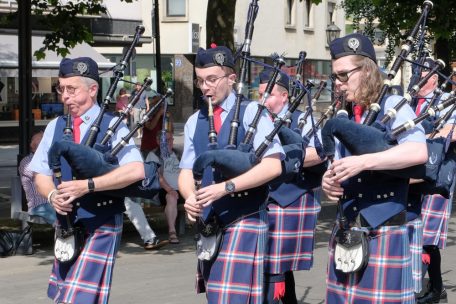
(332, 32)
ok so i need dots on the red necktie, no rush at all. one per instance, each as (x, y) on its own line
(418, 106)
(76, 130)
(358, 113)
(217, 118)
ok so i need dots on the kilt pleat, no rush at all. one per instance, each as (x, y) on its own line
(236, 275)
(88, 279)
(386, 279)
(291, 235)
(415, 232)
(435, 215)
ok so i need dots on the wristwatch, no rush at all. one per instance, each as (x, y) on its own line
(90, 185)
(230, 187)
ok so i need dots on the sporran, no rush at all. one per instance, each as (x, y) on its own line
(352, 250)
(208, 240)
(68, 244)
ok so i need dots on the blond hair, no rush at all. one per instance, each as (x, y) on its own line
(369, 91)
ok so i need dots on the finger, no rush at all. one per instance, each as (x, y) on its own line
(191, 218)
(202, 195)
(208, 203)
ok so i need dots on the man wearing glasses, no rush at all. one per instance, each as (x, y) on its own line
(238, 205)
(372, 201)
(88, 278)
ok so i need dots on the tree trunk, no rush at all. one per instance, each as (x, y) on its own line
(220, 22)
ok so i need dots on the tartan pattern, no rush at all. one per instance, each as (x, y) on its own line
(386, 279)
(291, 234)
(435, 214)
(236, 275)
(415, 233)
(88, 279)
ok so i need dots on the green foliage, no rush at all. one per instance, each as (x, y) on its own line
(142, 74)
(62, 19)
(397, 18)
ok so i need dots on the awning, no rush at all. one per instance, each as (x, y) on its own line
(47, 67)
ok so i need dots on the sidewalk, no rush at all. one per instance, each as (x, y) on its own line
(167, 276)
(164, 276)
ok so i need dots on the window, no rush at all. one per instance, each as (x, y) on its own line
(331, 17)
(308, 22)
(176, 8)
(290, 13)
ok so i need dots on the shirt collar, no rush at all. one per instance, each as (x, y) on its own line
(228, 103)
(89, 116)
(283, 111)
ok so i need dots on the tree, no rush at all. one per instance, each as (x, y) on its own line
(397, 18)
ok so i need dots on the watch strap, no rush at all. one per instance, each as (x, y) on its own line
(90, 184)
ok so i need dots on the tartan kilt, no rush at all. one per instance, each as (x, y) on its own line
(386, 279)
(415, 233)
(88, 279)
(291, 235)
(435, 215)
(236, 275)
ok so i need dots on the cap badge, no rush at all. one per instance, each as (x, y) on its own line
(353, 44)
(426, 64)
(279, 76)
(219, 58)
(82, 67)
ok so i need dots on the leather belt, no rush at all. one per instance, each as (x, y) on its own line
(396, 220)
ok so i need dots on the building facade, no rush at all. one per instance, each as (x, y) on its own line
(285, 27)
(282, 26)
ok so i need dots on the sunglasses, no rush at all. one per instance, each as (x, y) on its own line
(343, 76)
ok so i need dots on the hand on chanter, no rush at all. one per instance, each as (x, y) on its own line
(331, 186)
(73, 189)
(207, 195)
(344, 168)
(60, 203)
(193, 209)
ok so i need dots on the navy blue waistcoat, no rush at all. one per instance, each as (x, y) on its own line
(92, 209)
(375, 195)
(287, 193)
(230, 207)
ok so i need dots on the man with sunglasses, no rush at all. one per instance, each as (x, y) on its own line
(87, 279)
(235, 274)
(372, 201)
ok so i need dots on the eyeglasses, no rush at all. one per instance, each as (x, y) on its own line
(211, 81)
(344, 76)
(69, 89)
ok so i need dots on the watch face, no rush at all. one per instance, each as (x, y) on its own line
(229, 186)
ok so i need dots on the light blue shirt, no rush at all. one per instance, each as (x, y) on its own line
(129, 153)
(405, 114)
(306, 127)
(265, 126)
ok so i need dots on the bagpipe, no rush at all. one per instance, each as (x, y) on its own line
(87, 162)
(94, 159)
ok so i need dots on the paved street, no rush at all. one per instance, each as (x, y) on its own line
(167, 275)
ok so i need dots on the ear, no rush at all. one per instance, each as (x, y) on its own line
(93, 90)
